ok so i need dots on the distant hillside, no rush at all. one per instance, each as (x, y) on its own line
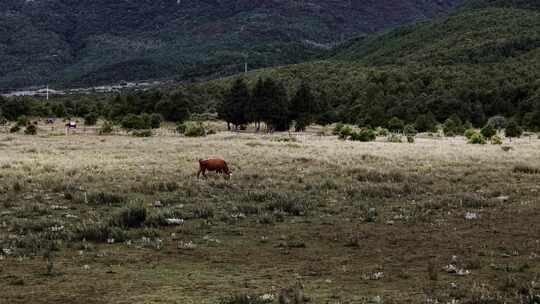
(92, 42)
(476, 63)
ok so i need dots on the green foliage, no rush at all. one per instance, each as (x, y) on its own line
(513, 129)
(345, 132)
(175, 107)
(236, 105)
(395, 124)
(135, 122)
(488, 131)
(382, 131)
(30, 130)
(477, 139)
(337, 128)
(409, 130)
(496, 140)
(193, 129)
(452, 126)
(426, 123)
(23, 121)
(303, 107)
(410, 139)
(155, 120)
(91, 119)
(106, 128)
(364, 135)
(469, 133)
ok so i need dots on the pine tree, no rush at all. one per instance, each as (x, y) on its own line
(303, 107)
(276, 114)
(236, 104)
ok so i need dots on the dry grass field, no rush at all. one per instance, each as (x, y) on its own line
(90, 219)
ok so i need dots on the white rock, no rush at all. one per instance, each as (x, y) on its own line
(471, 216)
(174, 221)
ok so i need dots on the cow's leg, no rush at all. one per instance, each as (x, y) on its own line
(204, 173)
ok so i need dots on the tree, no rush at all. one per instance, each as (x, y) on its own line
(236, 103)
(276, 115)
(395, 124)
(303, 107)
(488, 131)
(175, 108)
(513, 129)
(14, 108)
(258, 103)
(155, 120)
(426, 123)
(91, 119)
(498, 122)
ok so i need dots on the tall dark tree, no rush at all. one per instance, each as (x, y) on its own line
(259, 100)
(236, 104)
(175, 108)
(276, 115)
(303, 107)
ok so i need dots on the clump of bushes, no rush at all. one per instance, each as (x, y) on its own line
(469, 133)
(106, 128)
(382, 131)
(488, 131)
(513, 129)
(337, 128)
(364, 135)
(477, 139)
(132, 216)
(136, 122)
(191, 129)
(30, 130)
(345, 132)
(496, 140)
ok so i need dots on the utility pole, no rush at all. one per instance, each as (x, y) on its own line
(47, 92)
(245, 63)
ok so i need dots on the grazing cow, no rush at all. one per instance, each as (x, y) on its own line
(217, 165)
(71, 125)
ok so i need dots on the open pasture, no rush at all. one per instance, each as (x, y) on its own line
(118, 219)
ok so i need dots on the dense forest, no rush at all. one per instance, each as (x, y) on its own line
(85, 43)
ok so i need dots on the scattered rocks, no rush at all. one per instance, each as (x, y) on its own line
(373, 276)
(158, 204)
(186, 245)
(471, 216)
(503, 198)
(451, 268)
(174, 221)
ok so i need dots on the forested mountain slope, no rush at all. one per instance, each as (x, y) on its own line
(90, 42)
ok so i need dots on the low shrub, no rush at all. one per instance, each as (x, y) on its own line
(364, 135)
(469, 133)
(14, 129)
(488, 131)
(382, 131)
(345, 132)
(91, 119)
(98, 232)
(130, 217)
(410, 139)
(106, 128)
(477, 139)
(337, 128)
(194, 130)
(30, 130)
(526, 169)
(496, 140)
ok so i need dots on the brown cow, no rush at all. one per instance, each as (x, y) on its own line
(216, 164)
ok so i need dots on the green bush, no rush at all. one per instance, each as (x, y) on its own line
(410, 139)
(98, 232)
(488, 131)
(22, 121)
(106, 128)
(155, 120)
(409, 130)
(31, 130)
(194, 130)
(469, 133)
(181, 127)
(337, 128)
(135, 122)
(364, 135)
(345, 132)
(496, 140)
(452, 126)
(513, 129)
(382, 131)
(395, 124)
(477, 139)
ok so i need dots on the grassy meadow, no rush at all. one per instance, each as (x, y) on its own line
(305, 218)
